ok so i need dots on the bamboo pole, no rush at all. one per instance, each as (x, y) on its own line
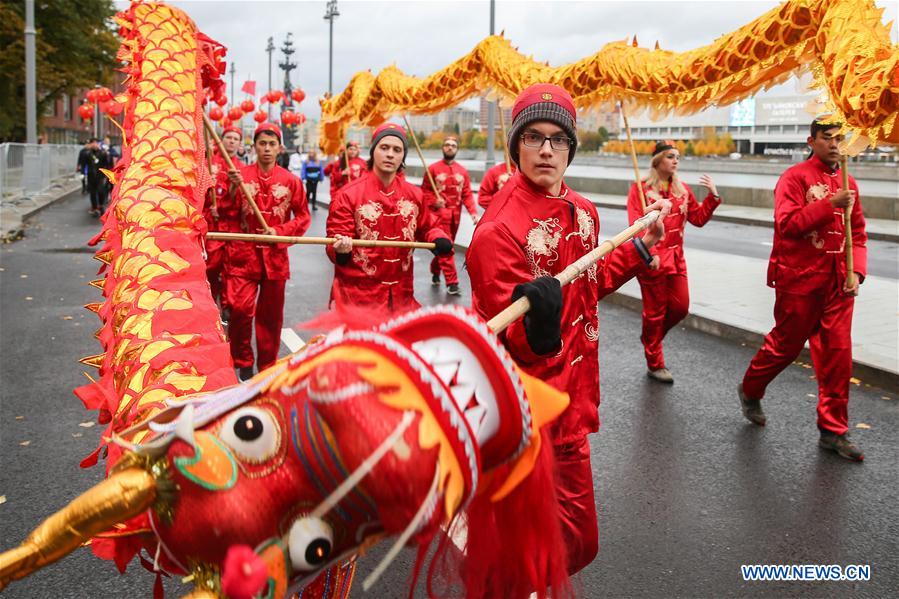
(502, 128)
(847, 225)
(210, 193)
(292, 240)
(422, 158)
(520, 306)
(630, 143)
(243, 186)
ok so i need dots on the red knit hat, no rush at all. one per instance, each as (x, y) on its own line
(267, 128)
(233, 129)
(543, 102)
(385, 130)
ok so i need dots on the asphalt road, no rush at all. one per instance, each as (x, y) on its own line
(687, 491)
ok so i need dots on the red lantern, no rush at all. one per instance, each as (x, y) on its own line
(103, 94)
(221, 100)
(235, 113)
(247, 106)
(300, 119)
(226, 123)
(274, 95)
(298, 95)
(86, 111)
(288, 117)
(260, 116)
(115, 108)
(216, 113)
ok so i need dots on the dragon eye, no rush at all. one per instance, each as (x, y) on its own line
(252, 433)
(310, 543)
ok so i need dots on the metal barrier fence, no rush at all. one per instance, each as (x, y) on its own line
(27, 170)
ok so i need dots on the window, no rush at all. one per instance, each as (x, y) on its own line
(66, 107)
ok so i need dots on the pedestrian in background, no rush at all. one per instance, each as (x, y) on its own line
(81, 168)
(311, 174)
(97, 183)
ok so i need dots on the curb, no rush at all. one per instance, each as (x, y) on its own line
(871, 375)
(17, 231)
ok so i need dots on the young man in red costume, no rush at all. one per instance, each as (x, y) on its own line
(453, 191)
(223, 217)
(534, 229)
(380, 205)
(346, 169)
(493, 181)
(813, 298)
(663, 285)
(261, 270)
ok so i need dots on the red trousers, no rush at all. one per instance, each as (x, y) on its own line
(666, 300)
(577, 505)
(215, 272)
(447, 262)
(269, 315)
(824, 319)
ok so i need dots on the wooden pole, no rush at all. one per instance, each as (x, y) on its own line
(520, 306)
(630, 142)
(847, 225)
(502, 128)
(422, 158)
(291, 240)
(210, 193)
(243, 186)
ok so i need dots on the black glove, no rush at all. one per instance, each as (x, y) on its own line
(543, 322)
(442, 246)
(342, 259)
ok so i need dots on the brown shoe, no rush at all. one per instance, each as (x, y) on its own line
(752, 408)
(842, 445)
(662, 375)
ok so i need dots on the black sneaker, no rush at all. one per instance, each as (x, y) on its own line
(435, 280)
(842, 445)
(752, 408)
(453, 290)
(245, 373)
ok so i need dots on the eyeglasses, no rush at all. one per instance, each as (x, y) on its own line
(559, 143)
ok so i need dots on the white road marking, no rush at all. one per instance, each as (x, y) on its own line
(290, 338)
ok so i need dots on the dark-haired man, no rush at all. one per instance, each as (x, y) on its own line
(381, 205)
(260, 271)
(453, 191)
(814, 297)
(534, 229)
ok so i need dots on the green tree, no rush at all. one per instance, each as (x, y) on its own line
(603, 136)
(75, 48)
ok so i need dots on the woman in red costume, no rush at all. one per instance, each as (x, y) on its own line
(380, 205)
(666, 296)
(532, 230)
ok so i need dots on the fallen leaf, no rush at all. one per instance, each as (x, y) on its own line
(76, 435)
(23, 276)
(806, 365)
(87, 424)
(28, 298)
(855, 381)
(886, 397)
(2, 497)
(862, 425)
(68, 317)
(25, 443)
(809, 394)
(20, 418)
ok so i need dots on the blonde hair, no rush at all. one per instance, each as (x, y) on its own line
(655, 181)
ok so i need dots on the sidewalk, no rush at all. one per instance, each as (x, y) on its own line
(14, 213)
(729, 297)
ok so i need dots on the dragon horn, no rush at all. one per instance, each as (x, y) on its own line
(121, 496)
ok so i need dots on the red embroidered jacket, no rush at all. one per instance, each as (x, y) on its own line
(809, 237)
(454, 186)
(364, 209)
(282, 201)
(493, 181)
(526, 234)
(684, 209)
(357, 167)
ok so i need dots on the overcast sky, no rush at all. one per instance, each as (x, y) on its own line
(422, 37)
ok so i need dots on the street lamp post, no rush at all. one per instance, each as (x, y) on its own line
(232, 71)
(491, 108)
(30, 77)
(270, 48)
(331, 13)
